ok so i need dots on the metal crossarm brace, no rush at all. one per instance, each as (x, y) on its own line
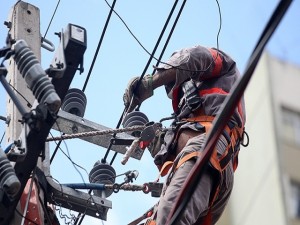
(69, 198)
(69, 124)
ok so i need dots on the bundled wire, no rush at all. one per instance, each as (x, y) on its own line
(99, 45)
(152, 56)
(228, 108)
(79, 217)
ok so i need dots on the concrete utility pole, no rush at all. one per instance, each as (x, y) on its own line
(23, 23)
(27, 204)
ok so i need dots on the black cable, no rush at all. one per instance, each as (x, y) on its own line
(75, 165)
(228, 107)
(55, 150)
(99, 45)
(51, 19)
(3, 118)
(130, 31)
(148, 63)
(28, 103)
(159, 59)
(170, 35)
(80, 218)
(2, 137)
(214, 59)
(157, 43)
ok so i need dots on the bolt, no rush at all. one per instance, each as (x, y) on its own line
(74, 129)
(18, 143)
(22, 150)
(8, 120)
(7, 24)
(58, 34)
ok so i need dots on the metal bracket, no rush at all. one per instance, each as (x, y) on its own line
(69, 123)
(70, 198)
(73, 45)
(18, 154)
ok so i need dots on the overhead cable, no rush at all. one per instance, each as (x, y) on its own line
(221, 119)
(149, 61)
(99, 45)
(51, 19)
(169, 36)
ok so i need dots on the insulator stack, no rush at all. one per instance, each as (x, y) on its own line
(75, 102)
(135, 118)
(102, 173)
(35, 77)
(9, 183)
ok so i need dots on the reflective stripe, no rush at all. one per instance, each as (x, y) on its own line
(212, 91)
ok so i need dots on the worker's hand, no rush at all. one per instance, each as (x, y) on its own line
(135, 96)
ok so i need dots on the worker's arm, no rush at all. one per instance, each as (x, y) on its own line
(146, 87)
(163, 77)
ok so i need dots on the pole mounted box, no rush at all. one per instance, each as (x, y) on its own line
(68, 58)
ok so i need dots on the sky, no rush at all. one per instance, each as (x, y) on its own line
(121, 57)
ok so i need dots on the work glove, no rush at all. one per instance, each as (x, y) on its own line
(142, 92)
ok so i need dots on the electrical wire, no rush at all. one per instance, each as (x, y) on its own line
(51, 19)
(28, 103)
(214, 59)
(159, 59)
(75, 165)
(127, 27)
(169, 36)
(2, 138)
(63, 216)
(55, 150)
(80, 217)
(148, 63)
(222, 118)
(99, 45)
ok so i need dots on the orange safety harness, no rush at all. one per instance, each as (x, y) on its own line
(233, 135)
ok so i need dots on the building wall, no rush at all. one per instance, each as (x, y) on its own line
(286, 92)
(259, 194)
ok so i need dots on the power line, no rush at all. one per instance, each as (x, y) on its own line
(51, 19)
(150, 59)
(170, 35)
(99, 45)
(145, 69)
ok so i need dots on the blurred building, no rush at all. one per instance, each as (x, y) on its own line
(267, 182)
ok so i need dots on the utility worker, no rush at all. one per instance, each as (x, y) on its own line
(197, 79)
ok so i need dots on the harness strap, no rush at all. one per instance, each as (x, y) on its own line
(187, 157)
(230, 134)
(233, 135)
(165, 168)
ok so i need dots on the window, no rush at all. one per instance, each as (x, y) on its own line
(291, 126)
(294, 205)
